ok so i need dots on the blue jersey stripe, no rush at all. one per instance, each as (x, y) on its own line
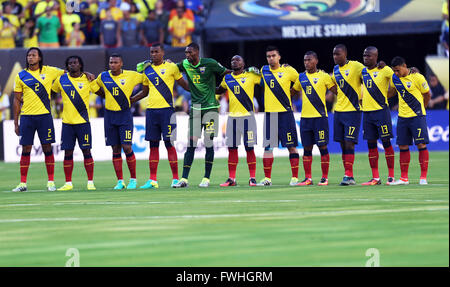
(37, 87)
(277, 90)
(160, 85)
(409, 99)
(313, 98)
(242, 96)
(374, 91)
(348, 91)
(121, 98)
(74, 97)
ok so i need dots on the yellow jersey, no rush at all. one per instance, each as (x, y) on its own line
(35, 87)
(314, 88)
(241, 90)
(410, 98)
(160, 80)
(348, 80)
(277, 88)
(375, 88)
(75, 94)
(118, 89)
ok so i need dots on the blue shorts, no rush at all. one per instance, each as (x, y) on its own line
(280, 127)
(377, 125)
(71, 133)
(118, 127)
(346, 126)
(43, 124)
(412, 128)
(160, 121)
(238, 127)
(314, 131)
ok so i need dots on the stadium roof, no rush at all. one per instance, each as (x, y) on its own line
(288, 19)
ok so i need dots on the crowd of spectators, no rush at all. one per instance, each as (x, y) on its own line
(109, 23)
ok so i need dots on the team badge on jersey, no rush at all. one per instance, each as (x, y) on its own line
(243, 80)
(80, 85)
(42, 76)
(163, 71)
(315, 80)
(375, 74)
(280, 75)
(122, 81)
(408, 84)
(202, 69)
(347, 72)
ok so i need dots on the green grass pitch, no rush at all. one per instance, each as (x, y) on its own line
(238, 226)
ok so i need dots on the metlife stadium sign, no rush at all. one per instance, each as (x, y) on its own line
(437, 130)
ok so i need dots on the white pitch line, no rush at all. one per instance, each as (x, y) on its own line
(210, 216)
(218, 201)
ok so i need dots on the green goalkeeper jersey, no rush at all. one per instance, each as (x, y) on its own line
(202, 82)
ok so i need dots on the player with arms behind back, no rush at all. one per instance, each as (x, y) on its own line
(118, 85)
(313, 85)
(413, 96)
(32, 88)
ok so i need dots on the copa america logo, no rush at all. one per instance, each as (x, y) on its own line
(73, 6)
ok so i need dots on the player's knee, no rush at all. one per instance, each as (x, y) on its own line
(87, 154)
(307, 152)
(168, 144)
(127, 148)
(323, 150)
(268, 149)
(372, 144)
(249, 148)
(403, 147)
(154, 144)
(69, 153)
(47, 148)
(421, 146)
(26, 149)
(387, 143)
(233, 148)
(349, 145)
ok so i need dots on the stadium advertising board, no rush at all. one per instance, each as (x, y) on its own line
(275, 19)
(437, 128)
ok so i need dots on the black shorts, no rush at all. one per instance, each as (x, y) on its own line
(314, 131)
(238, 127)
(346, 126)
(377, 125)
(409, 129)
(280, 128)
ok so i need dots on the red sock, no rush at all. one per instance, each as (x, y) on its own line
(173, 161)
(153, 162)
(50, 165)
(405, 158)
(117, 163)
(423, 160)
(68, 168)
(89, 167)
(251, 162)
(233, 160)
(325, 164)
(373, 160)
(294, 159)
(307, 163)
(131, 162)
(267, 163)
(390, 160)
(349, 159)
(24, 165)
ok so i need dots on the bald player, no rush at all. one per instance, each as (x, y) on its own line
(241, 120)
(377, 123)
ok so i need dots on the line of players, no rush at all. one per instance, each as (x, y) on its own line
(34, 85)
